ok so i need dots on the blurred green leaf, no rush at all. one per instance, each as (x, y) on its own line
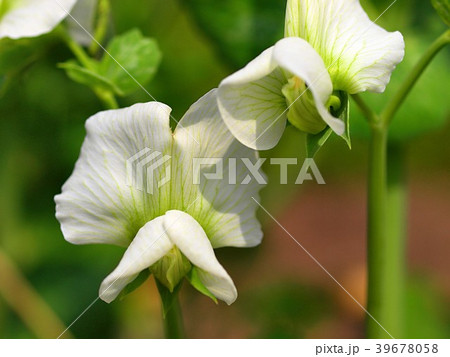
(195, 281)
(286, 309)
(87, 77)
(15, 57)
(443, 9)
(14, 54)
(134, 56)
(425, 311)
(240, 29)
(132, 61)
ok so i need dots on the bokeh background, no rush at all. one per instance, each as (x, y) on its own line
(46, 283)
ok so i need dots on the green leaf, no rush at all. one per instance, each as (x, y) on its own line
(88, 77)
(167, 297)
(131, 56)
(315, 141)
(443, 9)
(136, 283)
(195, 281)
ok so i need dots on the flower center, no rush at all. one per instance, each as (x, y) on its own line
(302, 112)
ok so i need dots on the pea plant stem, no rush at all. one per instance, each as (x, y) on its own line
(386, 229)
(379, 252)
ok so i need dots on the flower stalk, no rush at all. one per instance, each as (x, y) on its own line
(173, 320)
(400, 96)
(103, 15)
(106, 97)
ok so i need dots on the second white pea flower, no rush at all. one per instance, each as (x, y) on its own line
(331, 47)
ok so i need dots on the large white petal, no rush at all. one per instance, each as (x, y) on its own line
(252, 105)
(226, 210)
(32, 18)
(187, 234)
(359, 54)
(97, 203)
(150, 244)
(298, 57)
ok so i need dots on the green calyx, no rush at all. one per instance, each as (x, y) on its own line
(171, 268)
(302, 111)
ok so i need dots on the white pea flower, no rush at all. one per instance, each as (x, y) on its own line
(331, 47)
(31, 18)
(173, 231)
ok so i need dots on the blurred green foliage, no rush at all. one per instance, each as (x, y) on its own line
(278, 310)
(42, 116)
(443, 9)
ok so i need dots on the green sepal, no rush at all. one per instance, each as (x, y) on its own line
(345, 117)
(195, 281)
(343, 113)
(315, 142)
(443, 9)
(136, 283)
(167, 298)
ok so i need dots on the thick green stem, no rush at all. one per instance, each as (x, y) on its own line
(380, 303)
(400, 96)
(396, 229)
(386, 237)
(173, 321)
(387, 211)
